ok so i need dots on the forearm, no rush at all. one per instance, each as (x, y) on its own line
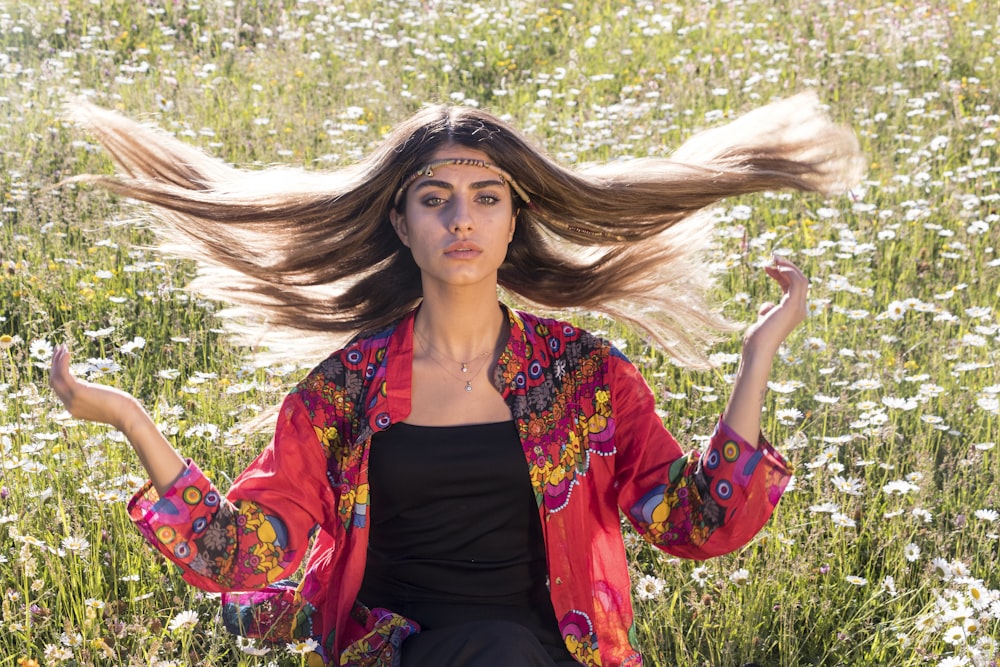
(746, 401)
(162, 462)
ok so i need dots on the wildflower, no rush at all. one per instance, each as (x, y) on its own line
(921, 513)
(99, 333)
(786, 387)
(866, 384)
(7, 341)
(954, 635)
(911, 552)
(824, 508)
(926, 623)
(103, 365)
(815, 307)
(991, 405)
(168, 374)
(942, 568)
(987, 515)
(788, 416)
(973, 340)
(249, 646)
(959, 569)
(900, 486)
(649, 587)
(308, 645)
(207, 431)
(54, 653)
(889, 585)
(40, 349)
(720, 358)
(700, 575)
(979, 312)
(896, 310)
(136, 343)
(899, 403)
(740, 577)
(855, 580)
(71, 640)
(842, 520)
(183, 621)
(852, 486)
(815, 344)
(77, 545)
(981, 596)
(954, 661)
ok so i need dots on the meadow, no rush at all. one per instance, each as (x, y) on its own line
(887, 399)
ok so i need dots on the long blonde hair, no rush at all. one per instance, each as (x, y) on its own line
(313, 253)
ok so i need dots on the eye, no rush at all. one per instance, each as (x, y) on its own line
(489, 200)
(433, 201)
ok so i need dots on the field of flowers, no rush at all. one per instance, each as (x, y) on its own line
(887, 399)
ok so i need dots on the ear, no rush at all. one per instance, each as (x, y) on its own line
(398, 221)
(513, 225)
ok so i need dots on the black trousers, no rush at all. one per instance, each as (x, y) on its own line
(481, 644)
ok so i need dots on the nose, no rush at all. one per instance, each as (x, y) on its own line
(461, 216)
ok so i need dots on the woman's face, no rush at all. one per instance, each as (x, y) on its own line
(458, 221)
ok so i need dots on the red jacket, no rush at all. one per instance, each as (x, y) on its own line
(594, 445)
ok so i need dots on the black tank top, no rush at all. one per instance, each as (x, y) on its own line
(454, 533)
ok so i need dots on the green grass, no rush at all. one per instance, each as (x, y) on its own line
(904, 273)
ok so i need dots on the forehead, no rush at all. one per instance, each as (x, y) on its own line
(453, 151)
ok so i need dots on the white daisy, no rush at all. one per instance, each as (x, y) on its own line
(649, 587)
(183, 621)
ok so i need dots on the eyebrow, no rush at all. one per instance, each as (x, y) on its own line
(478, 185)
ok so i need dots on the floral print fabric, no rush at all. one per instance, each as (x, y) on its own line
(595, 449)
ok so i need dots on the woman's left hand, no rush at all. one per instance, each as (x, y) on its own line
(776, 321)
(760, 343)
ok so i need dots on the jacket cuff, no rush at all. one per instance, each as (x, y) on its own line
(723, 434)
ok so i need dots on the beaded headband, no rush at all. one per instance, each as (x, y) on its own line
(428, 170)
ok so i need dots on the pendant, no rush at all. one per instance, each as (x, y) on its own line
(465, 367)
(468, 385)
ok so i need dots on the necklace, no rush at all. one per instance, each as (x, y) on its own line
(463, 365)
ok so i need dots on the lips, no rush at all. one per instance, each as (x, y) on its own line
(462, 249)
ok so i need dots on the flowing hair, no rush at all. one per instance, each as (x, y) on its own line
(312, 254)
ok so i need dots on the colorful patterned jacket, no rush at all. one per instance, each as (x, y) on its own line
(594, 445)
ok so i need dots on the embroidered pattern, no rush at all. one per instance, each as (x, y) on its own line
(581, 641)
(199, 528)
(335, 392)
(561, 405)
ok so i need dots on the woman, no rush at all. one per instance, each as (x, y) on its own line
(406, 448)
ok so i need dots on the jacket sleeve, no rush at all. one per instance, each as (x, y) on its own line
(694, 505)
(259, 532)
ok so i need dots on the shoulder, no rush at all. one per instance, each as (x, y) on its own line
(350, 365)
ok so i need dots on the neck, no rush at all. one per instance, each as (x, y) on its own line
(460, 328)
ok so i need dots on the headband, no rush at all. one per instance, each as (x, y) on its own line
(428, 170)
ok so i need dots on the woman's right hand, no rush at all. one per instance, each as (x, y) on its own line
(86, 400)
(107, 405)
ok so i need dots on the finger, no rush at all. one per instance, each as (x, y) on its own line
(59, 365)
(61, 379)
(765, 308)
(789, 277)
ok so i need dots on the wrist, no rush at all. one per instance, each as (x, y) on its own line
(758, 353)
(130, 416)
